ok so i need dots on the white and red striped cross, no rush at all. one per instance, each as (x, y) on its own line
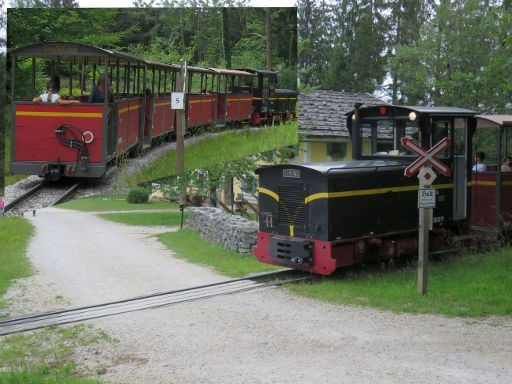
(426, 157)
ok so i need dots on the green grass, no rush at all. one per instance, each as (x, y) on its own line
(227, 146)
(189, 246)
(470, 285)
(15, 233)
(46, 356)
(43, 375)
(106, 203)
(153, 218)
(8, 178)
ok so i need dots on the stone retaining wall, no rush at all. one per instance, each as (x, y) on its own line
(232, 232)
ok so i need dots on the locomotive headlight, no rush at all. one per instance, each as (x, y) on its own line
(412, 116)
(354, 116)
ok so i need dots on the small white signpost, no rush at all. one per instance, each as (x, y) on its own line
(177, 100)
(426, 197)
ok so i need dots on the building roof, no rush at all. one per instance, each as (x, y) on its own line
(322, 113)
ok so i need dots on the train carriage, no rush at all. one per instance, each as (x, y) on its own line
(491, 208)
(83, 140)
(234, 101)
(319, 217)
(78, 140)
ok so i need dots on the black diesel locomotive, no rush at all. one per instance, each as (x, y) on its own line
(322, 216)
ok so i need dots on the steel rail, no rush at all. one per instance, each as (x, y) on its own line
(66, 194)
(155, 300)
(24, 196)
(27, 195)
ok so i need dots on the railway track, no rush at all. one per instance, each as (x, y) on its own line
(43, 194)
(154, 300)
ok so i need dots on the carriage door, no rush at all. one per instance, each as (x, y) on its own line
(459, 168)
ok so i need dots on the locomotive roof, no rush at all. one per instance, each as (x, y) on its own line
(331, 168)
(490, 121)
(441, 111)
(79, 53)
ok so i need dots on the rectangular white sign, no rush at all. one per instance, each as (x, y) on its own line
(427, 198)
(177, 100)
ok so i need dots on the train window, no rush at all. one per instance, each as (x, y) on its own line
(382, 137)
(485, 141)
(273, 81)
(231, 83)
(222, 84)
(195, 83)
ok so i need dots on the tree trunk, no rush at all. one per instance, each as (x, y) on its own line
(268, 13)
(225, 37)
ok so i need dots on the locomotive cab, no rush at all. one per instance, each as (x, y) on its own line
(322, 216)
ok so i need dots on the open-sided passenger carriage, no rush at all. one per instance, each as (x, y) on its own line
(82, 140)
(491, 205)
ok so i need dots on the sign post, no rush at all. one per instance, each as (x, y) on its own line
(426, 198)
(178, 104)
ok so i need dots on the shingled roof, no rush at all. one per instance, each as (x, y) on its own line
(322, 113)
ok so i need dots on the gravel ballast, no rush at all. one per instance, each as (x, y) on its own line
(266, 336)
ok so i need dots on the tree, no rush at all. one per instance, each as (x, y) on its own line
(357, 60)
(315, 41)
(405, 22)
(461, 59)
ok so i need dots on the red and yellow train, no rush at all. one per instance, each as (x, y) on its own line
(84, 139)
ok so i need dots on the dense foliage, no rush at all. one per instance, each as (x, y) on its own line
(211, 37)
(425, 52)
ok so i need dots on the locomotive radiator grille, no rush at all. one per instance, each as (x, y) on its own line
(291, 205)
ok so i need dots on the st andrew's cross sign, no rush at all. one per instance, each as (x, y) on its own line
(426, 157)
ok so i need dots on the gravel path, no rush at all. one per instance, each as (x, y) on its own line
(268, 336)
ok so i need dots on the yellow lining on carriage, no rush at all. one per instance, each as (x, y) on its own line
(160, 104)
(57, 114)
(237, 99)
(132, 107)
(489, 183)
(269, 193)
(202, 101)
(366, 192)
(275, 98)
(361, 192)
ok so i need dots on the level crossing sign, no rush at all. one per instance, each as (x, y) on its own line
(426, 157)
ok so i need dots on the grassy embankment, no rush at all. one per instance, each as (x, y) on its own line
(106, 203)
(15, 233)
(8, 178)
(224, 147)
(42, 357)
(466, 285)
(153, 218)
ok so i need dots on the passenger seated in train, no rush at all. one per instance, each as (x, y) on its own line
(98, 91)
(507, 163)
(52, 94)
(479, 162)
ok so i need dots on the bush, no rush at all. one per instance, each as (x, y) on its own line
(138, 196)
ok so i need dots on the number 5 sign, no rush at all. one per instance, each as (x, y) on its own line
(177, 100)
